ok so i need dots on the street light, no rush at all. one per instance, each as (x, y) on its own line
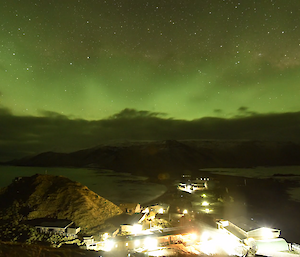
(205, 203)
(267, 233)
(150, 243)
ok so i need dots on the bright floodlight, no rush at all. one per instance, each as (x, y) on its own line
(209, 247)
(161, 211)
(205, 203)
(207, 210)
(205, 236)
(136, 229)
(267, 233)
(229, 244)
(185, 211)
(194, 236)
(203, 195)
(150, 243)
(220, 243)
(105, 236)
(109, 244)
(136, 243)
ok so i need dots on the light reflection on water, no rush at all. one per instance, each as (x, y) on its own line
(116, 187)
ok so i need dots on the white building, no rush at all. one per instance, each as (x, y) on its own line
(262, 238)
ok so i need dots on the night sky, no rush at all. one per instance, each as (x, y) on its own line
(93, 62)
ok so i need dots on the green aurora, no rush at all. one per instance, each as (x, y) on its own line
(188, 59)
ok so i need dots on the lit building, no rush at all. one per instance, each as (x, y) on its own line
(128, 224)
(243, 228)
(247, 231)
(159, 208)
(194, 185)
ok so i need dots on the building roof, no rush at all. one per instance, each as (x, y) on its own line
(134, 218)
(125, 219)
(236, 232)
(247, 224)
(243, 228)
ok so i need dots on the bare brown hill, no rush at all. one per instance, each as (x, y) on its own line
(50, 196)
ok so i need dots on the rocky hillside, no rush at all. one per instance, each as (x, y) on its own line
(171, 156)
(49, 196)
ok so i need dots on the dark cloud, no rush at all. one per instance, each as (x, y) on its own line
(218, 111)
(242, 109)
(28, 135)
(132, 113)
(53, 115)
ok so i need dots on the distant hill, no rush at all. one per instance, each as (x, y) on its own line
(171, 156)
(50, 196)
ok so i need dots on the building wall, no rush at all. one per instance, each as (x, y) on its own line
(73, 231)
(131, 229)
(277, 244)
(54, 230)
(259, 233)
